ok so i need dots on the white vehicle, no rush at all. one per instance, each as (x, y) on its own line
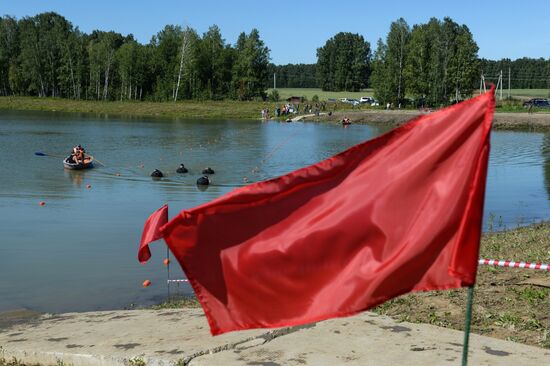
(367, 100)
(350, 101)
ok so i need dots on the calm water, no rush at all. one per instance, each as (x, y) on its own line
(78, 252)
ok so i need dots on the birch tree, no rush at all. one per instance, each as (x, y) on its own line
(184, 51)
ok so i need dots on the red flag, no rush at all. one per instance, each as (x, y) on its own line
(151, 232)
(395, 214)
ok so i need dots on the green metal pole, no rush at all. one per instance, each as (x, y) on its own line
(168, 271)
(467, 323)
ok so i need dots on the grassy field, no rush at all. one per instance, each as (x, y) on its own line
(323, 95)
(526, 93)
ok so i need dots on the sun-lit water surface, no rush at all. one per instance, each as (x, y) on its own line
(78, 252)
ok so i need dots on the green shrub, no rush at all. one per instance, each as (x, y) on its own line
(274, 96)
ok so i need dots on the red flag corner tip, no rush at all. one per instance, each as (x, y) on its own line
(152, 231)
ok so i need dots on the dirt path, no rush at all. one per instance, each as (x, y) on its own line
(534, 121)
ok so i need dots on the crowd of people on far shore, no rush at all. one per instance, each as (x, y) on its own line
(291, 108)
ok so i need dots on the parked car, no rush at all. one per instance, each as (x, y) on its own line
(537, 102)
(351, 101)
(367, 100)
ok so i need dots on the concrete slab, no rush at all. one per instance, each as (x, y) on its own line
(168, 337)
(103, 338)
(369, 339)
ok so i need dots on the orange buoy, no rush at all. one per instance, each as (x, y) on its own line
(146, 283)
(41, 203)
(166, 261)
(88, 186)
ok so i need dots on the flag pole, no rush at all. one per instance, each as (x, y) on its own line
(168, 270)
(467, 323)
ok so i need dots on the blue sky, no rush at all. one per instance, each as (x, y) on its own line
(293, 30)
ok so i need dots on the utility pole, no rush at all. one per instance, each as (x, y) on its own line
(501, 82)
(274, 80)
(509, 83)
(499, 85)
(482, 85)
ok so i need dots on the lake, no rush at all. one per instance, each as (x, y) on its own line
(78, 251)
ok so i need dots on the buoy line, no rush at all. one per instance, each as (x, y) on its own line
(513, 264)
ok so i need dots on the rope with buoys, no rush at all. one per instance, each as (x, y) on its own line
(513, 264)
(268, 156)
(488, 262)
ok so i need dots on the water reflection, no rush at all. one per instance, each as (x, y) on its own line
(76, 176)
(202, 187)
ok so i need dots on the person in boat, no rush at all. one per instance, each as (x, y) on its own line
(78, 156)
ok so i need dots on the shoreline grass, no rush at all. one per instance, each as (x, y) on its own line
(228, 109)
(510, 116)
(185, 109)
(510, 304)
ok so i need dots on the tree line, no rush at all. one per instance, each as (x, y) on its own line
(46, 56)
(523, 73)
(433, 63)
(293, 75)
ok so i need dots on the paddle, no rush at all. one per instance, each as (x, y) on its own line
(38, 153)
(97, 161)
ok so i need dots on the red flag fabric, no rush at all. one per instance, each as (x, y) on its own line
(151, 232)
(395, 214)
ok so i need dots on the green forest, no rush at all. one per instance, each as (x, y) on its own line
(435, 63)
(47, 56)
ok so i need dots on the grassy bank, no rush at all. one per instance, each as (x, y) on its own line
(510, 114)
(509, 304)
(183, 109)
(186, 109)
(205, 109)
